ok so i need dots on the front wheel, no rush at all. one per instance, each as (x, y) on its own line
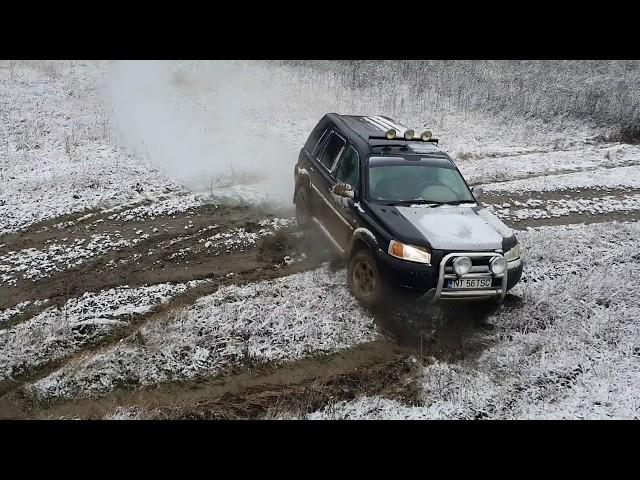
(365, 281)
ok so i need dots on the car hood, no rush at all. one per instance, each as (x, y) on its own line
(457, 227)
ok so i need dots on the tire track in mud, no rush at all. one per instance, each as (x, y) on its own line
(89, 218)
(171, 255)
(506, 177)
(576, 219)
(262, 260)
(389, 366)
(137, 321)
(311, 381)
(36, 234)
(540, 203)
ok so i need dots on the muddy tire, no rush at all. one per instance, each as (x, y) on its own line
(365, 280)
(302, 210)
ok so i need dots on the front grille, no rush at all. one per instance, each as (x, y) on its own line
(480, 261)
(474, 269)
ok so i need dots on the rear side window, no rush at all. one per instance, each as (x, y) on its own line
(332, 150)
(316, 150)
(315, 137)
(349, 168)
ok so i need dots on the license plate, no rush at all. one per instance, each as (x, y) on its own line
(470, 283)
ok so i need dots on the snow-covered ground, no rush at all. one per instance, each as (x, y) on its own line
(10, 313)
(623, 177)
(60, 153)
(57, 153)
(539, 208)
(59, 331)
(274, 321)
(546, 161)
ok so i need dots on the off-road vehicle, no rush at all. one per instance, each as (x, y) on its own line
(394, 205)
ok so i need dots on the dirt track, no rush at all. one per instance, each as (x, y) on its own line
(174, 251)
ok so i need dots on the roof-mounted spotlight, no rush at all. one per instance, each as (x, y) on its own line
(391, 133)
(426, 136)
(408, 134)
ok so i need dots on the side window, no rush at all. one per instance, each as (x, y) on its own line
(333, 147)
(319, 142)
(315, 138)
(349, 168)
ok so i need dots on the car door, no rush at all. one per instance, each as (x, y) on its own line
(316, 205)
(323, 205)
(346, 170)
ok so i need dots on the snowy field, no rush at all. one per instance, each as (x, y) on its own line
(137, 283)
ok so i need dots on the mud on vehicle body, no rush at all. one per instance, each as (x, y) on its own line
(398, 209)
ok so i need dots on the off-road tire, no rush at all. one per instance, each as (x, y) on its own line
(303, 216)
(365, 281)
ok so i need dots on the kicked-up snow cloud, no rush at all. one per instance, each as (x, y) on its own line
(204, 123)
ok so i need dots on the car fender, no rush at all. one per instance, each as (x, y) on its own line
(303, 180)
(302, 177)
(365, 235)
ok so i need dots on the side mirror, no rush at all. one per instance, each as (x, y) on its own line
(343, 190)
(477, 192)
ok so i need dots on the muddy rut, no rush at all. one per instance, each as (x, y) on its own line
(175, 249)
(586, 214)
(214, 397)
(389, 366)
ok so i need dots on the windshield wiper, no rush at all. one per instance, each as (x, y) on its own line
(416, 202)
(434, 203)
(457, 202)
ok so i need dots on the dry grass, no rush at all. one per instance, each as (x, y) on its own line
(602, 93)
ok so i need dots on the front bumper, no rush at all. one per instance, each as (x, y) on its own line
(430, 280)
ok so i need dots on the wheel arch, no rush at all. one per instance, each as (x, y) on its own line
(303, 180)
(362, 238)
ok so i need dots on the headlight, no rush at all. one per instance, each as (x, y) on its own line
(498, 265)
(409, 252)
(513, 254)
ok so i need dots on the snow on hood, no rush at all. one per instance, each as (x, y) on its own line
(457, 227)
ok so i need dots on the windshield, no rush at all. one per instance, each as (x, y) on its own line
(424, 180)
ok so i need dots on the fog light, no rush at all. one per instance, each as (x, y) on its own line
(498, 265)
(462, 265)
(391, 134)
(408, 135)
(426, 136)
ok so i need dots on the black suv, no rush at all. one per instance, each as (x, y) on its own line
(398, 208)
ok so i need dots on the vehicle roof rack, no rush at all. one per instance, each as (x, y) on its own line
(416, 139)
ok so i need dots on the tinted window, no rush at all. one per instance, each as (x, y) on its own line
(349, 168)
(332, 150)
(316, 135)
(318, 147)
